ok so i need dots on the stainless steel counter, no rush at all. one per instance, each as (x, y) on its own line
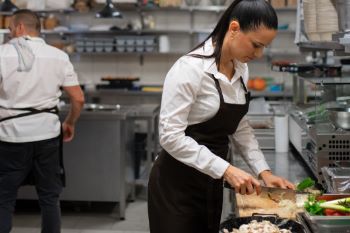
(99, 161)
(288, 165)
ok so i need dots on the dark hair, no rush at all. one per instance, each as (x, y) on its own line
(250, 14)
(29, 18)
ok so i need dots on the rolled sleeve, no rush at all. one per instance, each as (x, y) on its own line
(248, 145)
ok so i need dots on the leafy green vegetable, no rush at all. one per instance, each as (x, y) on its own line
(313, 206)
(306, 183)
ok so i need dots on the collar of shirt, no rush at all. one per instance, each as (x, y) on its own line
(211, 68)
(34, 39)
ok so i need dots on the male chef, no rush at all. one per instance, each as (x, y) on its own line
(31, 75)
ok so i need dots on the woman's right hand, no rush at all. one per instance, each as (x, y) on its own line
(241, 181)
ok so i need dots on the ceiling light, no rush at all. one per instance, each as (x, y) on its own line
(7, 5)
(109, 11)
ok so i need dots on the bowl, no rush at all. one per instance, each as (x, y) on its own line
(340, 117)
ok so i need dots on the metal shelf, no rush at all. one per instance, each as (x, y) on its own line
(209, 8)
(328, 80)
(114, 53)
(281, 52)
(133, 7)
(120, 32)
(320, 46)
(286, 93)
(44, 12)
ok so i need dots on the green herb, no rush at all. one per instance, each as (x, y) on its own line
(306, 183)
(313, 206)
(344, 203)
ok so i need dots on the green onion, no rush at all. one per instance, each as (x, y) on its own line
(335, 207)
(339, 204)
(345, 201)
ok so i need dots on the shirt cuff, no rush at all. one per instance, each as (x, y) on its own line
(259, 166)
(218, 168)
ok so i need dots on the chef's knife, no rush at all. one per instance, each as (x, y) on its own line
(274, 193)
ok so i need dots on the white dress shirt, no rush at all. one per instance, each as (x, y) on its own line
(37, 88)
(190, 97)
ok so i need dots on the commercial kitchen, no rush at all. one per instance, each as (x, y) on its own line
(122, 50)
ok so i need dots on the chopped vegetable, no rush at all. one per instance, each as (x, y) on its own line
(330, 212)
(306, 183)
(338, 207)
(343, 201)
(313, 206)
(339, 204)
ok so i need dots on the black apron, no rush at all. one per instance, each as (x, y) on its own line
(182, 199)
(29, 180)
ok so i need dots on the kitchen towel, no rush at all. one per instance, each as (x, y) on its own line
(25, 53)
(281, 133)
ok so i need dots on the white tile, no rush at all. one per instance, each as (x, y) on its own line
(70, 231)
(136, 221)
(99, 222)
(24, 230)
(26, 220)
(113, 231)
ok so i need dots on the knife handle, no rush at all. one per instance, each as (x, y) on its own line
(227, 185)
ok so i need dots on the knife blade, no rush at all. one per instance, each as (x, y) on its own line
(275, 193)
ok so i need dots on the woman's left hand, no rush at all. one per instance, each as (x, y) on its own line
(272, 180)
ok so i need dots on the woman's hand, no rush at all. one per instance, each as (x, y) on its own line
(271, 180)
(243, 182)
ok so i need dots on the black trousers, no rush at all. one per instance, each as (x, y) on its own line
(41, 159)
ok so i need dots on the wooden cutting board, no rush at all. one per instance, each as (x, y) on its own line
(247, 205)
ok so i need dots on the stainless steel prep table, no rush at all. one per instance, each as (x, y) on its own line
(150, 114)
(98, 162)
(289, 165)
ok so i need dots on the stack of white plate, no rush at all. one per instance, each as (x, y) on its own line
(327, 19)
(310, 19)
(320, 19)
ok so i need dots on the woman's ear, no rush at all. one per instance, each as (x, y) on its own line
(234, 27)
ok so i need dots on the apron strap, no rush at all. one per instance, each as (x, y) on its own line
(31, 111)
(247, 93)
(217, 84)
(243, 85)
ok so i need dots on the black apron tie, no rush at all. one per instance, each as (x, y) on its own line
(30, 111)
(33, 111)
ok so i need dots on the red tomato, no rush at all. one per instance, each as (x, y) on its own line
(330, 212)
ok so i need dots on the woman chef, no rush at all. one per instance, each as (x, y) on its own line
(204, 103)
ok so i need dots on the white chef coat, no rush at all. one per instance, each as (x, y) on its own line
(190, 97)
(38, 88)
